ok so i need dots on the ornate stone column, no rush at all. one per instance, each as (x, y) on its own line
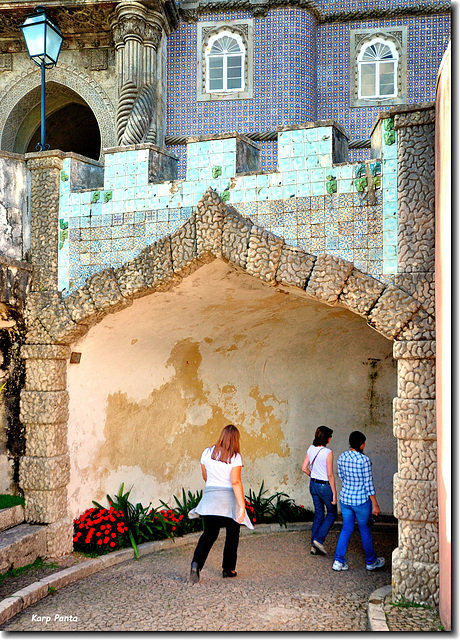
(137, 32)
(415, 561)
(44, 469)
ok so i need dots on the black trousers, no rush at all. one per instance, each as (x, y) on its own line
(211, 528)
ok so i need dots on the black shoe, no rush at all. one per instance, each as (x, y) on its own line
(194, 572)
(229, 574)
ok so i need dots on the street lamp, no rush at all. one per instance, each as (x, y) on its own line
(43, 40)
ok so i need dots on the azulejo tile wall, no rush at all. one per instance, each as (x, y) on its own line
(301, 74)
(348, 209)
(428, 37)
(284, 80)
(333, 6)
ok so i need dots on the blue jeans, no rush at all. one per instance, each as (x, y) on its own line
(362, 513)
(322, 497)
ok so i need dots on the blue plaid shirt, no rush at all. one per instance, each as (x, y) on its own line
(355, 471)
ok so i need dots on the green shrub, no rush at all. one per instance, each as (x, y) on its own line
(259, 503)
(279, 508)
(100, 530)
(7, 501)
(177, 518)
(141, 522)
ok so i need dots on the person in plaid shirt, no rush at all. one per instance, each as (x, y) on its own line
(357, 500)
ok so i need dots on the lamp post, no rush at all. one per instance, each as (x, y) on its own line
(43, 40)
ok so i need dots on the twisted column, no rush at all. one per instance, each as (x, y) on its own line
(137, 32)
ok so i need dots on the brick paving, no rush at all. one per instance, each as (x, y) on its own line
(279, 587)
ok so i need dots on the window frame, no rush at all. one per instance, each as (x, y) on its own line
(208, 33)
(225, 56)
(377, 65)
(360, 40)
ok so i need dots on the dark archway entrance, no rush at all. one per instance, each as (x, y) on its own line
(70, 123)
(71, 128)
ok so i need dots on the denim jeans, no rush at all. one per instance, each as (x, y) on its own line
(322, 497)
(362, 513)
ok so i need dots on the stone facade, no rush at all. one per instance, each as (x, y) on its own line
(216, 230)
(222, 209)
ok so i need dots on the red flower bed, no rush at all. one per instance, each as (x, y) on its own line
(250, 511)
(100, 531)
(173, 521)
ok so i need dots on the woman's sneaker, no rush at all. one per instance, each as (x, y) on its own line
(340, 566)
(313, 551)
(320, 548)
(378, 564)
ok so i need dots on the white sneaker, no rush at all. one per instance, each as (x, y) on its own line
(340, 566)
(376, 565)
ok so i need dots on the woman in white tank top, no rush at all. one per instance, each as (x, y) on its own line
(319, 465)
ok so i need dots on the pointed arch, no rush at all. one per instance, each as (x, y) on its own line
(219, 231)
(15, 103)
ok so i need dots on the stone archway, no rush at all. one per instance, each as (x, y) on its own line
(18, 106)
(218, 231)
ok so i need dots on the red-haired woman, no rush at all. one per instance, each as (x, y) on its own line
(222, 504)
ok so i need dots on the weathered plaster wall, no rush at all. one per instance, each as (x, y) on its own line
(14, 215)
(158, 381)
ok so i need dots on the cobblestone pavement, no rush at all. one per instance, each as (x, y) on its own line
(411, 618)
(11, 584)
(279, 587)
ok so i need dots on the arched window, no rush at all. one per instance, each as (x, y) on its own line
(377, 70)
(225, 63)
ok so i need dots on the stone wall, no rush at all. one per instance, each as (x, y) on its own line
(154, 384)
(401, 311)
(14, 214)
(415, 562)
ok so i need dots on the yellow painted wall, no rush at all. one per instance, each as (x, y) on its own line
(158, 381)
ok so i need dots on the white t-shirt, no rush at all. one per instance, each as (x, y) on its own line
(319, 471)
(218, 473)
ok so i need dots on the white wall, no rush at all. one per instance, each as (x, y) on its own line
(158, 381)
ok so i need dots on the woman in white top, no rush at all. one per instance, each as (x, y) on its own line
(319, 465)
(222, 504)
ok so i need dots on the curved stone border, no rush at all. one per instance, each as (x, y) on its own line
(26, 597)
(375, 611)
